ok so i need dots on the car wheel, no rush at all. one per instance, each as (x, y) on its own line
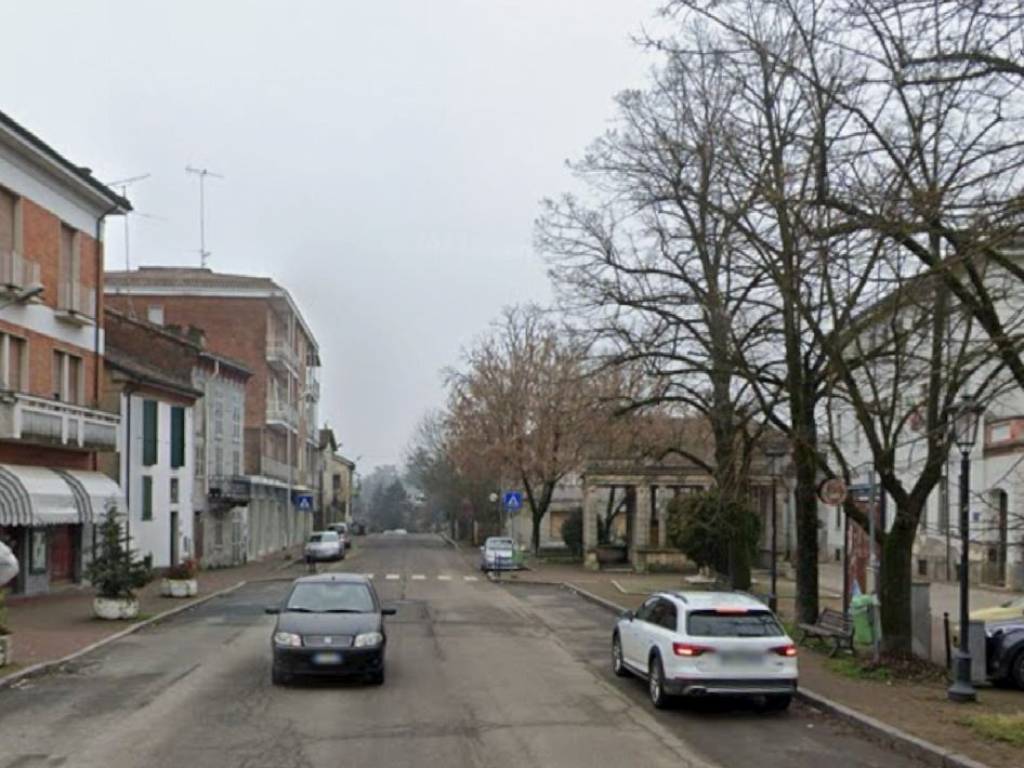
(778, 702)
(656, 683)
(618, 665)
(1017, 670)
(277, 677)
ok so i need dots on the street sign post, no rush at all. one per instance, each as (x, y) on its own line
(833, 491)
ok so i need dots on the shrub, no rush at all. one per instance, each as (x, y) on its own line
(572, 532)
(705, 525)
(186, 569)
(116, 571)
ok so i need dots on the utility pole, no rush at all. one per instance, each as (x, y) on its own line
(202, 173)
(122, 185)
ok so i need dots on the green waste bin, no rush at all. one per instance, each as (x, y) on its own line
(862, 608)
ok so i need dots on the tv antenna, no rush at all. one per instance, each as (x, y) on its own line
(122, 185)
(202, 173)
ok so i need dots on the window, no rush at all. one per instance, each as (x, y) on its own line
(174, 490)
(732, 624)
(8, 227)
(147, 497)
(218, 461)
(647, 609)
(149, 432)
(70, 266)
(155, 314)
(236, 422)
(177, 436)
(236, 462)
(667, 615)
(13, 363)
(68, 378)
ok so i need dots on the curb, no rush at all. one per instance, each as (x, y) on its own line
(900, 741)
(45, 666)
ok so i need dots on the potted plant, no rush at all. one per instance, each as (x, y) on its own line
(180, 580)
(5, 634)
(116, 572)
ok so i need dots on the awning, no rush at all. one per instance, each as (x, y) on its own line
(94, 492)
(36, 496)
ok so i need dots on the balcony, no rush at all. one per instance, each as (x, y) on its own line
(281, 357)
(229, 491)
(282, 415)
(76, 303)
(278, 470)
(37, 421)
(16, 272)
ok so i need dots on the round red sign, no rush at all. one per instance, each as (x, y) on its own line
(832, 491)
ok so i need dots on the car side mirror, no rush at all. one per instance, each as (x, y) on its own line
(272, 610)
(627, 615)
(388, 611)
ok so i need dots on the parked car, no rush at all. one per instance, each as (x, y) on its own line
(1004, 652)
(706, 644)
(331, 624)
(498, 554)
(1011, 609)
(342, 530)
(324, 545)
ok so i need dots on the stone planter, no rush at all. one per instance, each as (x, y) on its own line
(611, 554)
(6, 649)
(179, 587)
(115, 608)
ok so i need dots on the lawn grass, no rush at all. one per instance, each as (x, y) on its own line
(853, 668)
(1005, 728)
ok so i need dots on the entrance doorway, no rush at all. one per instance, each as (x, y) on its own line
(174, 538)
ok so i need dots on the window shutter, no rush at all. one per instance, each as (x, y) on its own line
(147, 497)
(177, 437)
(149, 436)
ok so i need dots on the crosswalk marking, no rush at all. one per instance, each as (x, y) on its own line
(444, 577)
(418, 577)
(392, 577)
(369, 575)
(469, 578)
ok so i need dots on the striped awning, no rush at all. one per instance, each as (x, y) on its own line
(40, 496)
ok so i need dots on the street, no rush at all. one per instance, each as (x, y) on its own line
(479, 674)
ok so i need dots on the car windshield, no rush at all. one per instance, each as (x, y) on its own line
(499, 543)
(749, 624)
(325, 536)
(330, 597)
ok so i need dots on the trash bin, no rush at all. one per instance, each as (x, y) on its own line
(862, 608)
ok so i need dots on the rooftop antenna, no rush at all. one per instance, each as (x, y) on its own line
(202, 173)
(122, 185)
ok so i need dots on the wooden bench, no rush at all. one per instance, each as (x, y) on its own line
(831, 625)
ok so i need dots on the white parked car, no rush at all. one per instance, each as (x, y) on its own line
(498, 554)
(706, 644)
(324, 545)
(342, 530)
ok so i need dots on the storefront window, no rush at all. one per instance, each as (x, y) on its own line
(38, 553)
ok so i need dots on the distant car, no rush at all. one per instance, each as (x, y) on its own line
(324, 545)
(358, 529)
(331, 624)
(706, 644)
(498, 554)
(342, 530)
(1004, 651)
(395, 532)
(1011, 609)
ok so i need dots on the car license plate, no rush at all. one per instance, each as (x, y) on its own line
(327, 658)
(739, 657)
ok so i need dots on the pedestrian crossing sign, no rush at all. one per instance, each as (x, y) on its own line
(513, 500)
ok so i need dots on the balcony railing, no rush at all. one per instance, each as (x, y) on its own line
(281, 355)
(227, 491)
(39, 421)
(279, 470)
(17, 272)
(282, 414)
(76, 302)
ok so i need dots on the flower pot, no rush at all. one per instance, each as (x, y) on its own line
(611, 554)
(179, 587)
(6, 649)
(115, 608)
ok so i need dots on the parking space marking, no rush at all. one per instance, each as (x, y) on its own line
(392, 577)
(418, 577)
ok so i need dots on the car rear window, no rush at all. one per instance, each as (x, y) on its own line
(314, 538)
(731, 624)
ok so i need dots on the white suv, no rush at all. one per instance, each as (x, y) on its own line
(706, 643)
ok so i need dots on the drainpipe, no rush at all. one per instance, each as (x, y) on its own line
(98, 320)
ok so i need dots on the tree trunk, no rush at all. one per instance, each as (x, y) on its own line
(895, 585)
(805, 459)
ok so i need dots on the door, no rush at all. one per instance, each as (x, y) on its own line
(199, 527)
(174, 538)
(634, 633)
(62, 554)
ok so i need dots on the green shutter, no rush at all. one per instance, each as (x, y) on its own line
(147, 497)
(149, 436)
(177, 437)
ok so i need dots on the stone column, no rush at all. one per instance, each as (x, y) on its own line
(662, 520)
(591, 502)
(641, 526)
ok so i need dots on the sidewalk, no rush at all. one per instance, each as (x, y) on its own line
(49, 627)
(918, 707)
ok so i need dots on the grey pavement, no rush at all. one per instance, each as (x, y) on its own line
(479, 674)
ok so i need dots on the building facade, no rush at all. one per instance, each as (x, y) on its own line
(335, 486)
(254, 321)
(52, 427)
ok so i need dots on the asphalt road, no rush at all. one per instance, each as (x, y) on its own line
(478, 675)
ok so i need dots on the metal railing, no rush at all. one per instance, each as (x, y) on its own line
(281, 352)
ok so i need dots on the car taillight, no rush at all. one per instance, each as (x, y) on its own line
(689, 650)
(785, 650)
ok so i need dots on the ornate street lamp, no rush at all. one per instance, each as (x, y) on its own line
(775, 452)
(965, 432)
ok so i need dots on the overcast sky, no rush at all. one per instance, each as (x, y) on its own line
(382, 160)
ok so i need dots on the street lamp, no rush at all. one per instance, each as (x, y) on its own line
(965, 432)
(775, 452)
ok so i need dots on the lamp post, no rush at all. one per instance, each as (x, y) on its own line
(965, 431)
(775, 452)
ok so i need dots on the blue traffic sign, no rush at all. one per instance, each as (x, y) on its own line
(513, 500)
(303, 501)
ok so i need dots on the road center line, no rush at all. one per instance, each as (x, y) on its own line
(392, 577)
(418, 577)
(469, 578)
(444, 577)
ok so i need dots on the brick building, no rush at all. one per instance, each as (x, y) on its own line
(52, 214)
(254, 321)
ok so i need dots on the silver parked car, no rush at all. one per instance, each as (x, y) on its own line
(498, 554)
(324, 545)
